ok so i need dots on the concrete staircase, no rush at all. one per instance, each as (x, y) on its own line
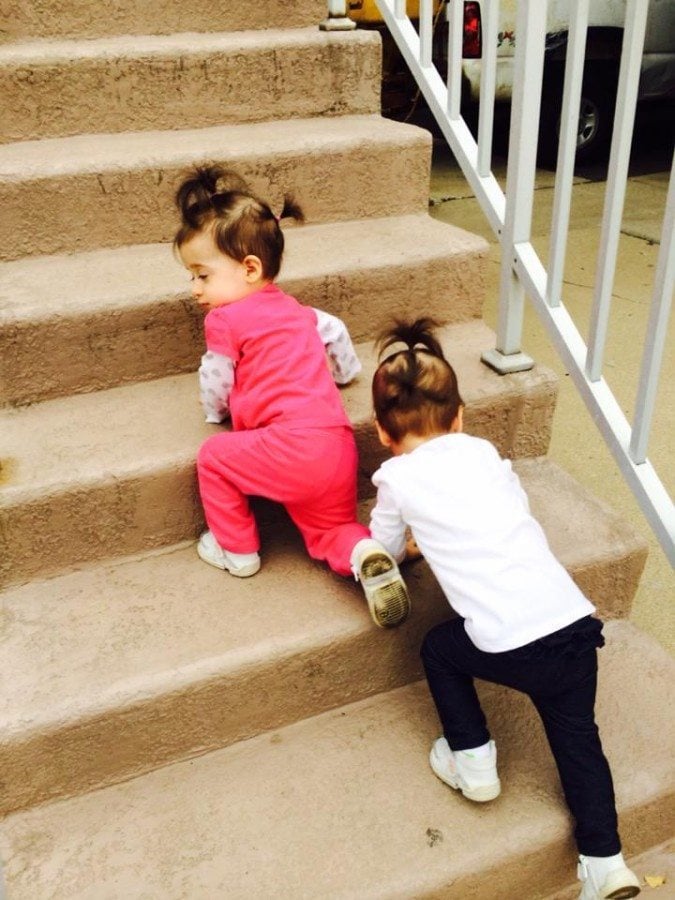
(166, 731)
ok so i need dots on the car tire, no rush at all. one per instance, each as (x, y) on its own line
(596, 113)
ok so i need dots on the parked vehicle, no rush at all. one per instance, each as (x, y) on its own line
(603, 52)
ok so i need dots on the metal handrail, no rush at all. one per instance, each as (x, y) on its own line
(510, 213)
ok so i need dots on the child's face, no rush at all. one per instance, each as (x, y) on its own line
(217, 279)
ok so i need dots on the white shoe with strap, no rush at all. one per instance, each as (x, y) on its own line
(476, 777)
(606, 878)
(385, 590)
(241, 565)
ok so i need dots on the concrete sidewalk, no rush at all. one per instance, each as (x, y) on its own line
(576, 444)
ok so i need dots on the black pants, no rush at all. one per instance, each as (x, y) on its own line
(559, 674)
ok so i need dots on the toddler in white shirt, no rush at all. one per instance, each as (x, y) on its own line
(522, 621)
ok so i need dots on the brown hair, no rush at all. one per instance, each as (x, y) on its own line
(242, 224)
(414, 390)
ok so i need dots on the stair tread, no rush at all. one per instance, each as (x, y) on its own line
(344, 806)
(52, 18)
(43, 287)
(93, 153)
(111, 317)
(116, 632)
(70, 50)
(140, 82)
(142, 417)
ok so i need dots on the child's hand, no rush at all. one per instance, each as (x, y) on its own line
(412, 551)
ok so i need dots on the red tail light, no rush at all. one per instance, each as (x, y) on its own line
(472, 44)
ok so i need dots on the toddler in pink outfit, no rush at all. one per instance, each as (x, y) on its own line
(271, 366)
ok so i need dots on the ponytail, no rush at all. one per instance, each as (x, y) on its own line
(204, 192)
(414, 389)
(291, 210)
(242, 224)
(418, 332)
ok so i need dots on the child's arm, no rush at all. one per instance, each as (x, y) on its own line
(412, 551)
(342, 358)
(386, 524)
(216, 377)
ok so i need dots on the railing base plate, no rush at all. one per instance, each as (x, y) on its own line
(339, 23)
(505, 364)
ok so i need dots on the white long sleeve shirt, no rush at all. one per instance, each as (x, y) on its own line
(470, 517)
(217, 371)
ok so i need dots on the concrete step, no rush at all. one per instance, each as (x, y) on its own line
(83, 19)
(66, 195)
(146, 82)
(100, 325)
(162, 657)
(344, 805)
(111, 473)
(654, 863)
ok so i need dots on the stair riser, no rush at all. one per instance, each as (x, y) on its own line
(114, 517)
(93, 351)
(642, 826)
(375, 749)
(216, 712)
(157, 88)
(111, 208)
(81, 18)
(125, 513)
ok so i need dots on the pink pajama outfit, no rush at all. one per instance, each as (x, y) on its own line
(291, 440)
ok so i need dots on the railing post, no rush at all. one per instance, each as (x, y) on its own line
(529, 63)
(617, 178)
(337, 19)
(664, 283)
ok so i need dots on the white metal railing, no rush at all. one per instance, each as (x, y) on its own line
(510, 213)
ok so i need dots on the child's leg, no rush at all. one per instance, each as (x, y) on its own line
(569, 721)
(449, 659)
(329, 528)
(327, 521)
(561, 680)
(465, 758)
(311, 471)
(227, 466)
(325, 510)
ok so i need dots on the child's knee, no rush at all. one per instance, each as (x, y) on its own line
(441, 643)
(207, 453)
(431, 644)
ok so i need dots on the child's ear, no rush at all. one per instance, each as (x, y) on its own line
(385, 439)
(458, 421)
(253, 268)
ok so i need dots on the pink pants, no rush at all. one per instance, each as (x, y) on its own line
(312, 471)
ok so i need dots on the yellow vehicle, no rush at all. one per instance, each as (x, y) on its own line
(399, 91)
(365, 12)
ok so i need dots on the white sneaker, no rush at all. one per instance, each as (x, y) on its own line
(476, 778)
(385, 590)
(606, 878)
(240, 564)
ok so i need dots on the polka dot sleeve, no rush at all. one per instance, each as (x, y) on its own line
(216, 377)
(342, 359)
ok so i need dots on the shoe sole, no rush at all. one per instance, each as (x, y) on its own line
(478, 795)
(385, 590)
(624, 892)
(243, 572)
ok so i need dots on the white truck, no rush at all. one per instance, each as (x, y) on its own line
(601, 70)
(603, 52)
